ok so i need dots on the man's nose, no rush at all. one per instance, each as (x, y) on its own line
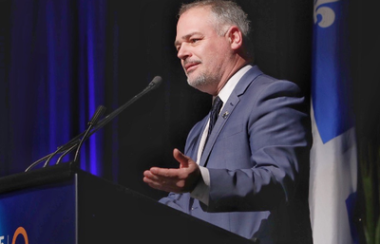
(183, 52)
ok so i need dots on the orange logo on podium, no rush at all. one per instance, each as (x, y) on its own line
(20, 231)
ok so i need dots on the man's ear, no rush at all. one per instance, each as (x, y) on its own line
(235, 37)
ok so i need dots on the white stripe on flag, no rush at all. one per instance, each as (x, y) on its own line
(333, 177)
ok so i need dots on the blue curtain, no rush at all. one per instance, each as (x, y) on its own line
(61, 59)
(55, 54)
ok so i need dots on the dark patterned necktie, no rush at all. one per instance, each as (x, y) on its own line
(216, 106)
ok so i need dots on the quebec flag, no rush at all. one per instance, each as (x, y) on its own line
(333, 160)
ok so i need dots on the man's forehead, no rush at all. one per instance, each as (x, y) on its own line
(190, 24)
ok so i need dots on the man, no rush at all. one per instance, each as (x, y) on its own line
(244, 176)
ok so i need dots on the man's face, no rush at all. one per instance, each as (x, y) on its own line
(204, 54)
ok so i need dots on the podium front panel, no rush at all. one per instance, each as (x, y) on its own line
(44, 214)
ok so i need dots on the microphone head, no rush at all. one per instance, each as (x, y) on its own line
(156, 82)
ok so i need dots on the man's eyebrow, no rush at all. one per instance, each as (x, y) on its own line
(185, 37)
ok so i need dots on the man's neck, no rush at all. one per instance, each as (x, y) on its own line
(240, 63)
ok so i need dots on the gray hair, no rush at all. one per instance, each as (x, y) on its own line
(226, 13)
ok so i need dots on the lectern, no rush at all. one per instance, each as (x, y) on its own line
(62, 205)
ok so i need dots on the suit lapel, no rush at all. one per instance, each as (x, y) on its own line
(227, 111)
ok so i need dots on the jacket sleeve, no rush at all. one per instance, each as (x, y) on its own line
(174, 200)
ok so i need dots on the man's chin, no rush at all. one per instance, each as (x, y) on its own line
(196, 83)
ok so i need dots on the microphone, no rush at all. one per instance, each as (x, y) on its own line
(155, 83)
(99, 112)
(69, 146)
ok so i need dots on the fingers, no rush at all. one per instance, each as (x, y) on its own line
(164, 179)
(169, 173)
(159, 174)
(166, 176)
(182, 159)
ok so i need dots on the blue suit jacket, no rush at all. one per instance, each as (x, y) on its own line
(256, 154)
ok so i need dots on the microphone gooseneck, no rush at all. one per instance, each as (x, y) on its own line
(99, 112)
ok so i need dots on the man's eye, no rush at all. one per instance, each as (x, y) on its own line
(194, 40)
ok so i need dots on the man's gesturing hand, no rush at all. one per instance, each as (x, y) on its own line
(180, 180)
